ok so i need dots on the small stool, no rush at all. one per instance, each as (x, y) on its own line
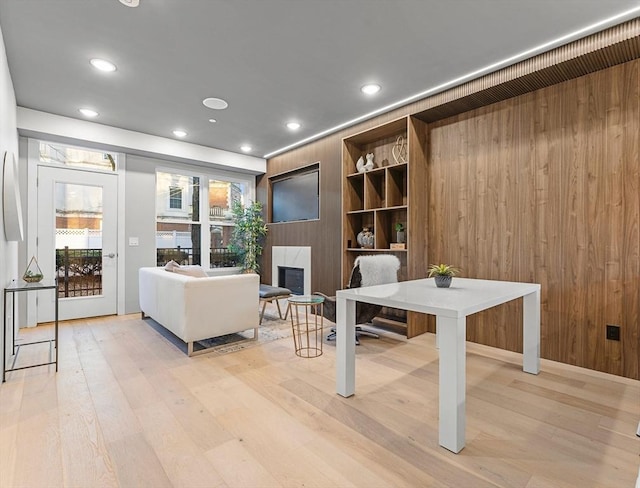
(271, 293)
(307, 337)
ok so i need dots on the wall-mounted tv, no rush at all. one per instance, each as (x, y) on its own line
(296, 195)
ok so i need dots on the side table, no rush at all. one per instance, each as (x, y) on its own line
(307, 336)
(12, 289)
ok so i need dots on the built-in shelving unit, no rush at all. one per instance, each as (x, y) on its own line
(393, 192)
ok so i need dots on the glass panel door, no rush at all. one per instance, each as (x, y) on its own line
(77, 241)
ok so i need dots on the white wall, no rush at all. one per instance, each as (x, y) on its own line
(8, 142)
(56, 128)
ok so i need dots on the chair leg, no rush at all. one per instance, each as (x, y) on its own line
(264, 304)
(332, 336)
(280, 311)
(368, 333)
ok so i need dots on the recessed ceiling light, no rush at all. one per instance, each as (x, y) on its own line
(213, 121)
(130, 3)
(370, 89)
(215, 103)
(103, 64)
(293, 125)
(87, 112)
(179, 133)
(246, 148)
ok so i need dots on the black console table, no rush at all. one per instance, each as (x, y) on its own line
(12, 289)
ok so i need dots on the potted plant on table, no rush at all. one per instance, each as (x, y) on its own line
(443, 274)
(248, 234)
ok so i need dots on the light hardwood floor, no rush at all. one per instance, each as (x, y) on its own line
(128, 409)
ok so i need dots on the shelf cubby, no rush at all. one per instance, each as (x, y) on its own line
(396, 185)
(354, 223)
(375, 189)
(386, 221)
(384, 196)
(354, 192)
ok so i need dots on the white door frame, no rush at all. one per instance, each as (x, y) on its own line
(33, 160)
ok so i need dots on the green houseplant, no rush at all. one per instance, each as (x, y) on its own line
(399, 232)
(248, 234)
(443, 274)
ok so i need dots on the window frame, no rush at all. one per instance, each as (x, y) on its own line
(205, 175)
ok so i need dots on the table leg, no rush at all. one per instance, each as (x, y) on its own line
(452, 380)
(531, 333)
(345, 347)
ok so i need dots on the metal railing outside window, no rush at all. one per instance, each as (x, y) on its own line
(219, 257)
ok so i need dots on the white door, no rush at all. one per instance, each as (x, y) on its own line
(77, 242)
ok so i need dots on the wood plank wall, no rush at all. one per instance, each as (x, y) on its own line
(323, 236)
(543, 187)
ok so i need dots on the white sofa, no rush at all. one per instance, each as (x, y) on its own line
(199, 308)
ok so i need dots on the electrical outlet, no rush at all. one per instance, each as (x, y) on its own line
(613, 332)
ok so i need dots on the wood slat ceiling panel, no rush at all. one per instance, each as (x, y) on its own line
(599, 51)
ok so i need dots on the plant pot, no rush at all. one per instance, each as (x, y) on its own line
(443, 281)
(400, 236)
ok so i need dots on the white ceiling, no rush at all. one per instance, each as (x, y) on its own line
(272, 60)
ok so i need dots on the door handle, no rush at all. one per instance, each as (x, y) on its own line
(110, 255)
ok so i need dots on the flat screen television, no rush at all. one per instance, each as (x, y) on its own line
(296, 197)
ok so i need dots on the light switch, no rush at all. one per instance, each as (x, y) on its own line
(134, 241)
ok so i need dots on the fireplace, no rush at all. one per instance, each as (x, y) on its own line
(291, 278)
(291, 257)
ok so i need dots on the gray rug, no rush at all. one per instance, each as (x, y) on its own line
(272, 328)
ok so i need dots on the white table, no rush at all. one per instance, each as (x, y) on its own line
(451, 307)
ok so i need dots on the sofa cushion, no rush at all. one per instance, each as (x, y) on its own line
(171, 266)
(193, 271)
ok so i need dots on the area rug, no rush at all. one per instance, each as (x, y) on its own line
(272, 329)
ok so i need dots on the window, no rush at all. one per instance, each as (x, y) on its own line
(77, 157)
(194, 213)
(222, 196)
(175, 197)
(178, 225)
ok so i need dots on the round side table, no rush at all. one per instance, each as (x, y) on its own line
(307, 331)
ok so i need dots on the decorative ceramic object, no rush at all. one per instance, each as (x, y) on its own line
(360, 165)
(365, 238)
(370, 164)
(399, 150)
(33, 273)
